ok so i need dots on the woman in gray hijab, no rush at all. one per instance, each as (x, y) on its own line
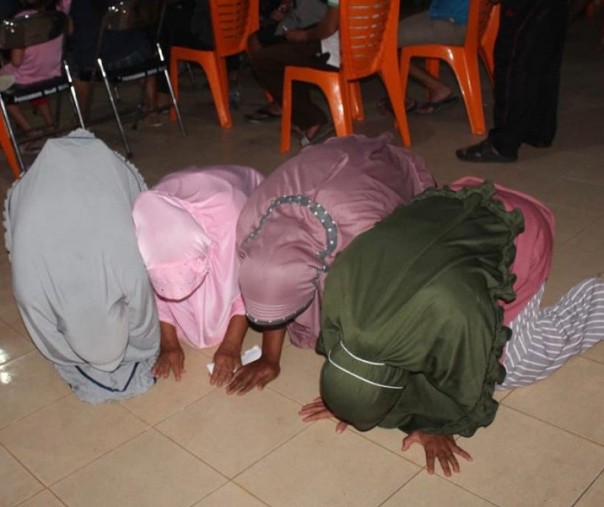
(78, 277)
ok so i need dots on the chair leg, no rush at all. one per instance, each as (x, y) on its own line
(286, 113)
(468, 77)
(356, 101)
(174, 107)
(338, 98)
(9, 144)
(392, 81)
(173, 83)
(219, 86)
(118, 120)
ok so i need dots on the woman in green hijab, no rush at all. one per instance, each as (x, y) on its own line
(415, 315)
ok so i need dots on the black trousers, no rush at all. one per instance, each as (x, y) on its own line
(528, 55)
(268, 65)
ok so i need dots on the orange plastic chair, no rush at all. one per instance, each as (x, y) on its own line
(9, 149)
(487, 41)
(232, 23)
(368, 46)
(462, 59)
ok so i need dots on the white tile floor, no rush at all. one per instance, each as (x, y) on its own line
(189, 444)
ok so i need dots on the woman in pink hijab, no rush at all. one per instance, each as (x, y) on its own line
(294, 225)
(185, 226)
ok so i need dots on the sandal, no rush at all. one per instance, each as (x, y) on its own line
(484, 152)
(384, 106)
(434, 107)
(262, 115)
(323, 132)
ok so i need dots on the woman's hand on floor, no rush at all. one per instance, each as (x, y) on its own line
(441, 447)
(170, 359)
(227, 360)
(316, 410)
(256, 374)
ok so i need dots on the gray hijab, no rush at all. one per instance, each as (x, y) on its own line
(79, 280)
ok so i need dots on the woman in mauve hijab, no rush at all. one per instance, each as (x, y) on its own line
(185, 227)
(438, 305)
(78, 277)
(295, 224)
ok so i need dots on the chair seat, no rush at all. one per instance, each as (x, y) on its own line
(23, 93)
(141, 70)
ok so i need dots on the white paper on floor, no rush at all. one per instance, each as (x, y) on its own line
(247, 357)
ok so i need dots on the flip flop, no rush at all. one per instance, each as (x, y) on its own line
(384, 106)
(262, 115)
(484, 152)
(433, 107)
(321, 135)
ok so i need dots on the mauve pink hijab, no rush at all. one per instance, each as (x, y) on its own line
(307, 211)
(534, 246)
(185, 226)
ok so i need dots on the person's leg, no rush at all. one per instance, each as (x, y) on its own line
(420, 29)
(526, 81)
(540, 127)
(437, 90)
(82, 89)
(46, 114)
(268, 66)
(544, 339)
(18, 117)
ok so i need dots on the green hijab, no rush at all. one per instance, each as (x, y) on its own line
(411, 327)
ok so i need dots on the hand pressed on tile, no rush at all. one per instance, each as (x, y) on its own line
(316, 410)
(441, 447)
(171, 356)
(227, 360)
(256, 374)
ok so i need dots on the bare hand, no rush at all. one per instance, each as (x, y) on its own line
(441, 447)
(227, 360)
(256, 374)
(170, 359)
(316, 410)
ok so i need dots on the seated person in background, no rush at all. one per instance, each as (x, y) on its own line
(78, 277)
(276, 18)
(293, 226)
(36, 63)
(186, 228)
(8, 8)
(120, 49)
(189, 24)
(317, 46)
(443, 23)
(418, 311)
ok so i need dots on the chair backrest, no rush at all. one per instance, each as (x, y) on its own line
(232, 22)
(365, 29)
(478, 18)
(32, 29)
(131, 14)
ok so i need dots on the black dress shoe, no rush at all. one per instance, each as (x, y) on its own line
(538, 144)
(484, 152)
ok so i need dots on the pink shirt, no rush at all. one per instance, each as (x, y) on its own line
(533, 247)
(42, 61)
(185, 227)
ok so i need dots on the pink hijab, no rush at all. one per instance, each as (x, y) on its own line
(534, 246)
(185, 227)
(307, 211)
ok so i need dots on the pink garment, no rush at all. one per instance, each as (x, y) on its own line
(307, 211)
(185, 226)
(42, 61)
(534, 246)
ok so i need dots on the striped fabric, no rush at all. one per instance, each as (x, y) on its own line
(544, 339)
